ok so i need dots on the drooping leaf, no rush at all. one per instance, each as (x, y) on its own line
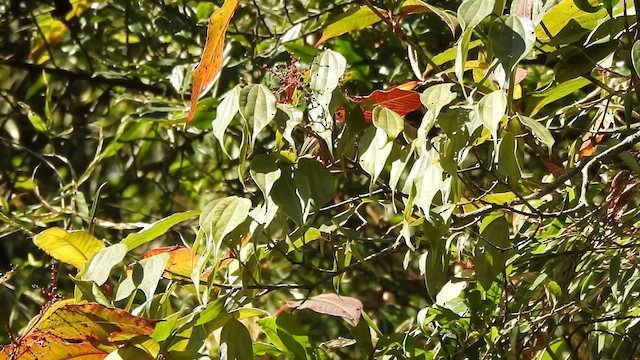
(426, 176)
(227, 110)
(355, 19)
(211, 61)
(492, 249)
(156, 229)
(265, 172)
(346, 307)
(491, 109)
(506, 160)
(321, 182)
(398, 100)
(102, 263)
(326, 71)
(292, 194)
(73, 248)
(235, 342)
(374, 148)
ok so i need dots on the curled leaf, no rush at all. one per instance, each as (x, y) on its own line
(346, 307)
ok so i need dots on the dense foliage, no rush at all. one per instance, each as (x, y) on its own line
(394, 179)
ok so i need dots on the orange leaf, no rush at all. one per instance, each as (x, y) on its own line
(398, 100)
(74, 331)
(211, 61)
(181, 259)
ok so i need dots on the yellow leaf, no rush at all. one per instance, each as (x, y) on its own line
(211, 61)
(73, 248)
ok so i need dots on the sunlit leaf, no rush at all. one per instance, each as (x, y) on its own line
(491, 109)
(355, 19)
(73, 247)
(472, 12)
(157, 229)
(102, 263)
(388, 121)
(211, 61)
(398, 100)
(235, 342)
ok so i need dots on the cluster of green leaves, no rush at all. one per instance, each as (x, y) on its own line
(497, 221)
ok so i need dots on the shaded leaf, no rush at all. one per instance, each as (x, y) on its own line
(539, 131)
(492, 250)
(512, 41)
(539, 100)
(635, 56)
(211, 61)
(73, 248)
(235, 342)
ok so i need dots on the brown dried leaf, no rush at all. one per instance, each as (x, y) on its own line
(346, 307)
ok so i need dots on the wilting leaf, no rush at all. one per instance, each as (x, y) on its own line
(354, 19)
(74, 331)
(72, 248)
(348, 308)
(398, 100)
(211, 61)
(102, 263)
(156, 229)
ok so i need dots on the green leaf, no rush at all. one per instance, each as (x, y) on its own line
(292, 193)
(73, 248)
(374, 149)
(257, 107)
(227, 110)
(388, 120)
(153, 268)
(492, 249)
(102, 263)
(321, 182)
(539, 131)
(566, 22)
(512, 40)
(426, 175)
(291, 118)
(462, 51)
(415, 6)
(265, 172)
(354, 19)
(235, 342)
(326, 71)
(37, 122)
(635, 56)
(539, 100)
(156, 229)
(506, 162)
(434, 263)
(435, 97)
(222, 216)
(491, 109)
(472, 12)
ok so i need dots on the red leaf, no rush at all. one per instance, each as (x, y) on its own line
(398, 100)
(211, 61)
